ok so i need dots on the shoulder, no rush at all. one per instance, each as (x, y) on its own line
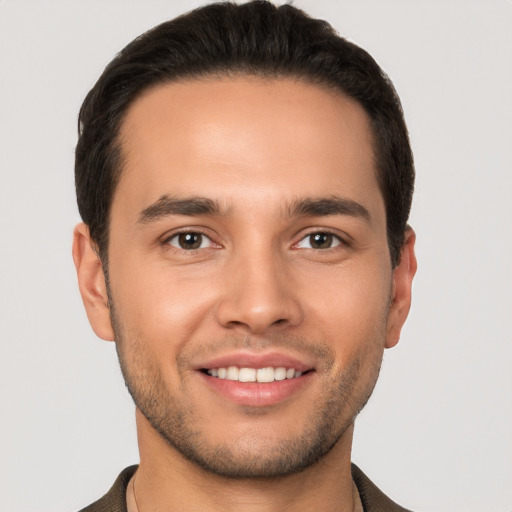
(115, 499)
(372, 498)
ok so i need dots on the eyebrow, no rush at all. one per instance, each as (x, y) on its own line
(190, 206)
(325, 206)
(306, 207)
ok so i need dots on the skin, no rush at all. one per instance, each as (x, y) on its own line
(255, 285)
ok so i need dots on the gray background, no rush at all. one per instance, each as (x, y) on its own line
(437, 433)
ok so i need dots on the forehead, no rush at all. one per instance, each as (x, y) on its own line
(230, 137)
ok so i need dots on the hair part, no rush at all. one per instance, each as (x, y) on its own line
(227, 39)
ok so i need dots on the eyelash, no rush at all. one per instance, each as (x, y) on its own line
(167, 240)
(332, 238)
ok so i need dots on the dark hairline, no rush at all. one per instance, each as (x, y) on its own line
(226, 39)
(118, 148)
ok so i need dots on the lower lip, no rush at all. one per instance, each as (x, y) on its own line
(257, 394)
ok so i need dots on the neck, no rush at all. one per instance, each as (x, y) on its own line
(166, 480)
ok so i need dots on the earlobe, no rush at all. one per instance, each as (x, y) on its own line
(403, 275)
(91, 281)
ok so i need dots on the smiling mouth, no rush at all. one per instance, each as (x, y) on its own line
(267, 374)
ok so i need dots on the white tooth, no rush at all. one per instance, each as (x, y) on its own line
(265, 374)
(214, 372)
(222, 372)
(247, 375)
(280, 373)
(297, 374)
(290, 373)
(232, 373)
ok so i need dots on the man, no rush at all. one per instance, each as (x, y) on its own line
(244, 176)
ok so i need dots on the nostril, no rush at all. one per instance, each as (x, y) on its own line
(236, 323)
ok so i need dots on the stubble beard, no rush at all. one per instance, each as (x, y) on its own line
(177, 421)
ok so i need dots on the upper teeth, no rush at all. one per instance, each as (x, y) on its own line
(268, 374)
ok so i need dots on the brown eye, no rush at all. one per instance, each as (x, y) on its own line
(189, 241)
(320, 240)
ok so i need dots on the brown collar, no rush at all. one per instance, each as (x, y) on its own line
(372, 498)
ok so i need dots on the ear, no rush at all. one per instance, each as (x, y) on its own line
(403, 275)
(91, 281)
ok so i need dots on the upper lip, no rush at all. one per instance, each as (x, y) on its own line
(247, 359)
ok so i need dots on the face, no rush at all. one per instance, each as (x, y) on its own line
(251, 288)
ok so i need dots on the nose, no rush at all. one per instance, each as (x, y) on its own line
(258, 294)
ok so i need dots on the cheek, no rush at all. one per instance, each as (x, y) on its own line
(164, 308)
(351, 308)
